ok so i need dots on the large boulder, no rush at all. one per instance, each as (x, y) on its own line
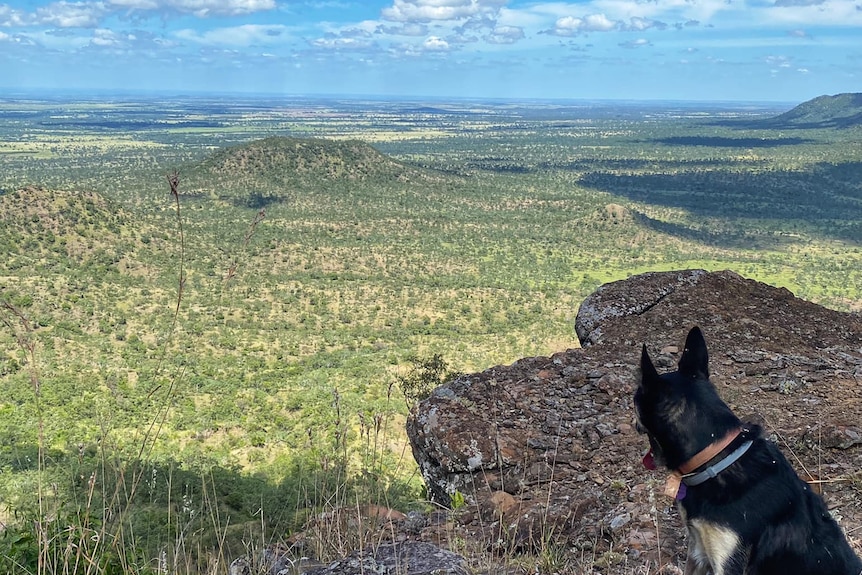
(547, 446)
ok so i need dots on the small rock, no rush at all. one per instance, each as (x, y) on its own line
(546, 374)
(788, 386)
(620, 521)
(415, 522)
(240, 566)
(503, 502)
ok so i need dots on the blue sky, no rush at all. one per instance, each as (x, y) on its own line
(748, 50)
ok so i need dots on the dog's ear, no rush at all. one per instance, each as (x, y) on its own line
(695, 359)
(648, 371)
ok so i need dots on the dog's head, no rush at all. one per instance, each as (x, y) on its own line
(680, 411)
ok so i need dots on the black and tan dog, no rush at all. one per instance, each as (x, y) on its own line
(746, 510)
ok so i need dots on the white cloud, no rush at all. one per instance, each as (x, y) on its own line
(778, 61)
(430, 10)
(799, 2)
(638, 24)
(112, 40)
(354, 32)
(200, 8)
(354, 38)
(462, 38)
(59, 40)
(677, 11)
(10, 17)
(573, 25)
(71, 14)
(103, 37)
(341, 43)
(246, 35)
(570, 19)
(141, 41)
(435, 44)
(505, 35)
(23, 40)
(4, 36)
(60, 14)
(825, 13)
(89, 14)
(406, 29)
(639, 43)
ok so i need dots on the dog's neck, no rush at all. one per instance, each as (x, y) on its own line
(710, 451)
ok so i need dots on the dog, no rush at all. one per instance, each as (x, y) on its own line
(745, 509)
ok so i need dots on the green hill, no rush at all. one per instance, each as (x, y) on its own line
(276, 168)
(839, 111)
(77, 226)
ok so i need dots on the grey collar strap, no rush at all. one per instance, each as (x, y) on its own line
(692, 479)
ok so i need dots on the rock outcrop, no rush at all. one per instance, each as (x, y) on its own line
(547, 445)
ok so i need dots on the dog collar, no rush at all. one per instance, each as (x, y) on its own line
(713, 470)
(709, 452)
(677, 481)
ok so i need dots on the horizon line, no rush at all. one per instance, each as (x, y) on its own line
(54, 94)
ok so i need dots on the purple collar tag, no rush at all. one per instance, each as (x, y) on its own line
(681, 493)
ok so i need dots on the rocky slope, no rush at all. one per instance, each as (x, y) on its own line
(547, 446)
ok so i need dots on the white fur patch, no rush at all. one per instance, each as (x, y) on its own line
(713, 544)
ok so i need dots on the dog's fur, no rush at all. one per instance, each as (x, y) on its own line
(754, 518)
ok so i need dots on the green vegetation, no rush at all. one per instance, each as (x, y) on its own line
(213, 367)
(839, 111)
(424, 376)
(271, 170)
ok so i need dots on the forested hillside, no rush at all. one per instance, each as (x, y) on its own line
(275, 168)
(838, 111)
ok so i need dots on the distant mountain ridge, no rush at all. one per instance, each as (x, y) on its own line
(272, 169)
(838, 111)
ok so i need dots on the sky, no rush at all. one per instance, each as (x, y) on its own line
(702, 50)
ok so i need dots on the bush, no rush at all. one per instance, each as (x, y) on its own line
(425, 374)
